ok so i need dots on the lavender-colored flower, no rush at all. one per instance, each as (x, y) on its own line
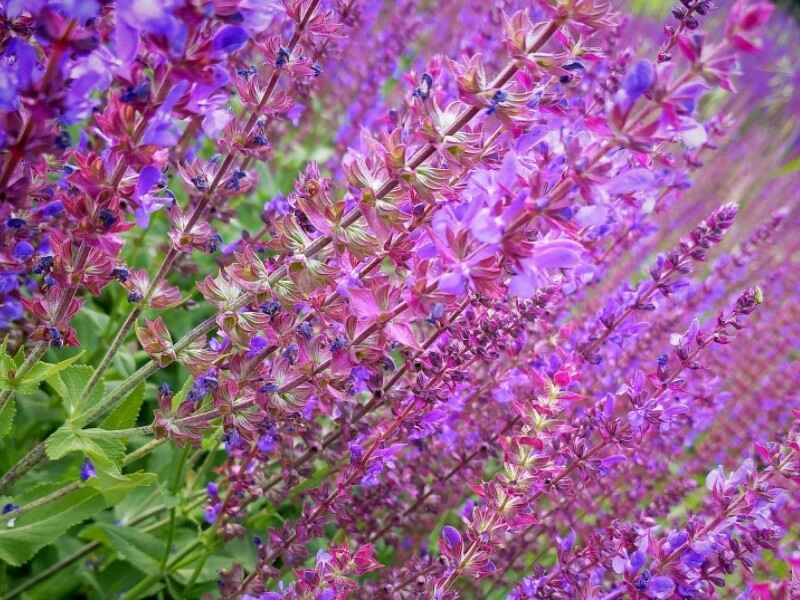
(230, 39)
(87, 470)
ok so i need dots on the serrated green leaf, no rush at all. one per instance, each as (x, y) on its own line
(141, 549)
(125, 415)
(42, 371)
(69, 385)
(7, 412)
(105, 450)
(44, 524)
(6, 364)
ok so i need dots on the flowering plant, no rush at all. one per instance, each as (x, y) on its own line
(303, 299)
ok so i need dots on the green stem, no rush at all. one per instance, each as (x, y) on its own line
(151, 580)
(126, 433)
(201, 472)
(143, 451)
(196, 573)
(176, 477)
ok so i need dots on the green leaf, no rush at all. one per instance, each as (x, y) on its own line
(44, 524)
(793, 166)
(210, 570)
(7, 412)
(124, 363)
(6, 364)
(90, 324)
(125, 415)
(141, 549)
(180, 396)
(69, 384)
(42, 371)
(105, 450)
(115, 486)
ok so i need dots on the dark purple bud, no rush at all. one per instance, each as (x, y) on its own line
(424, 89)
(106, 218)
(305, 330)
(44, 265)
(62, 141)
(338, 344)
(282, 58)
(246, 72)
(271, 308)
(573, 66)
(136, 93)
(120, 274)
(55, 337)
(290, 353)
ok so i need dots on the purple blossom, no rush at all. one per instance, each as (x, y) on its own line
(87, 470)
(230, 39)
(639, 79)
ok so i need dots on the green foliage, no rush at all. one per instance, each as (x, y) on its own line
(69, 385)
(126, 414)
(36, 528)
(141, 549)
(28, 382)
(105, 450)
(7, 412)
